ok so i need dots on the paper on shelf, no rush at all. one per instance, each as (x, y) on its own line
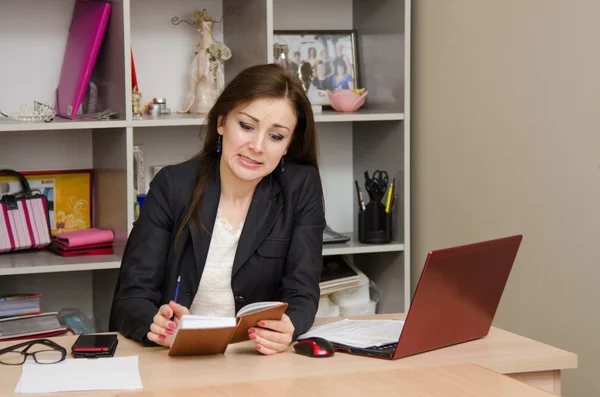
(358, 333)
(107, 373)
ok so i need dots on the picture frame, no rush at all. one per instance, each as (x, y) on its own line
(69, 194)
(332, 56)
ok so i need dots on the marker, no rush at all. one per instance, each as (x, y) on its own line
(176, 294)
(389, 199)
(361, 203)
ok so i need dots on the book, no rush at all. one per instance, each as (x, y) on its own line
(35, 325)
(84, 237)
(203, 335)
(338, 274)
(19, 304)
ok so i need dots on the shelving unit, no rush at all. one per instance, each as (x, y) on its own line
(375, 137)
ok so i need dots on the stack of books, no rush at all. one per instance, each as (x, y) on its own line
(84, 242)
(30, 327)
(21, 318)
(19, 305)
(337, 275)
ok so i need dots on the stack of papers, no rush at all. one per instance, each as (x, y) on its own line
(338, 275)
(107, 373)
(358, 333)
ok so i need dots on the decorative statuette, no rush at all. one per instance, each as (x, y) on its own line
(206, 78)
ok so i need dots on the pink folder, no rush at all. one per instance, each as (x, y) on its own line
(85, 237)
(83, 44)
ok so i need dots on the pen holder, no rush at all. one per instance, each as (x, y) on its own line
(374, 224)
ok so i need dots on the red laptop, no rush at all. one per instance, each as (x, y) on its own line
(456, 298)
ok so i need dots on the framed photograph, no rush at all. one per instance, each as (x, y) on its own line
(69, 194)
(322, 60)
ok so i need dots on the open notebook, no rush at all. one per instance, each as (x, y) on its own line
(200, 335)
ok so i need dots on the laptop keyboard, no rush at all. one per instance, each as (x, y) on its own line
(385, 347)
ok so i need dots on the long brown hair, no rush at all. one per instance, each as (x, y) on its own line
(255, 82)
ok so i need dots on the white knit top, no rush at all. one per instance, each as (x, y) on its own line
(214, 296)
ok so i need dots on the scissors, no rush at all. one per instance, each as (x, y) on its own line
(377, 185)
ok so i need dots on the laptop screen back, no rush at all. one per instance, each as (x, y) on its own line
(458, 295)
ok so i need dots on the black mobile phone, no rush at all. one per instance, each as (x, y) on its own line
(95, 345)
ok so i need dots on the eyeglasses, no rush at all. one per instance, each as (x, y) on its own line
(51, 353)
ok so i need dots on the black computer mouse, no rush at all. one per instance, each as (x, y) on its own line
(314, 347)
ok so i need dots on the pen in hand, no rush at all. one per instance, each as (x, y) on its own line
(176, 294)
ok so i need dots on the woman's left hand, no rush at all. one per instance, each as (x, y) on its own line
(272, 336)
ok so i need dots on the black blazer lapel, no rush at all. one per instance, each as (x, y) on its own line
(208, 213)
(260, 219)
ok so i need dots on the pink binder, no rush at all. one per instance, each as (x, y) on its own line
(83, 44)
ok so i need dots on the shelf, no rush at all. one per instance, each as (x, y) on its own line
(48, 262)
(59, 123)
(328, 116)
(169, 120)
(182, 120)
(355, 247)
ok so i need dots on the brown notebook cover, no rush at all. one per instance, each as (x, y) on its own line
(204, 341)
(201, 341)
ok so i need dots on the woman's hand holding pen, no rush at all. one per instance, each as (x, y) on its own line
(272, 336)
(162, 327)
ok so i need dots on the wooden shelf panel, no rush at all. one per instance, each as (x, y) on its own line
(59, 123)
(326, 116)
(355, 247)
(169, 120)
(182, 120)
(48, 262)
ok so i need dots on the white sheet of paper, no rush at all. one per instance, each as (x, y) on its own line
(358, 333)
(108, 373)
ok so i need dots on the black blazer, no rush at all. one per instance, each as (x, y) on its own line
(279, 254)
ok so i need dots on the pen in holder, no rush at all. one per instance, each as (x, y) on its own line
(375, 219)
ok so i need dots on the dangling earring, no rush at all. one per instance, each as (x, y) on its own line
(282, 166)
(219, 144)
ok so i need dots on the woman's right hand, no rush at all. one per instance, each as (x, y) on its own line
(162, 328)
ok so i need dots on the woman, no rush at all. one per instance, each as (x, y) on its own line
(320, 81)
(241, 222)
(341, 80)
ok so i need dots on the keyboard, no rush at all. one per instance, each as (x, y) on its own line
(330, 236)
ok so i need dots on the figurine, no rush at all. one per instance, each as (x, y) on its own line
(206, 78)
(136, 103)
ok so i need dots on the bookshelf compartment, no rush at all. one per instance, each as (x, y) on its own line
(166, 76)
(33, 62)
(380, 36)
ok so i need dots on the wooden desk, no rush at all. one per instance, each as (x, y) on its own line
(452, 380)
(524, 359)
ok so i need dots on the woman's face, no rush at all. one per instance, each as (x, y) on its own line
(341, 69)
(321, 70)
(256, 137)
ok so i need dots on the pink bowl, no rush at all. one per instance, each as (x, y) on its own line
(346, 100)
